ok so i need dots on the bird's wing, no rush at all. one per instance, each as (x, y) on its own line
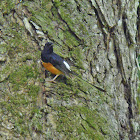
(59, 63)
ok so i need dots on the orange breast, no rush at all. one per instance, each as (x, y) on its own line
(51, 68)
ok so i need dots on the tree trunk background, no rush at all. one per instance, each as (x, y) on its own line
(100, 40)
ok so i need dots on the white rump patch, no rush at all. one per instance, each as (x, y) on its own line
(67, 65)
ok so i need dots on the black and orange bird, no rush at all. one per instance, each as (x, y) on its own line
(57, 65)
(53, 62)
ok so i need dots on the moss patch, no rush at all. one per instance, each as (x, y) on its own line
(7, 6)
(20, 104)
(81, 122)
(19, 78)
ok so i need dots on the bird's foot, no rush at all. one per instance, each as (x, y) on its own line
(51, 81)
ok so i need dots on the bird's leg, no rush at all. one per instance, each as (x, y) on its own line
(53, 80)
(55, 77)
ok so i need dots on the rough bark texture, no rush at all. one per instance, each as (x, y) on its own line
(100, 39)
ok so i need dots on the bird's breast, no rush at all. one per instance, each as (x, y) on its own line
(51, 68)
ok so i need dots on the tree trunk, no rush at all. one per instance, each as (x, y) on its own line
(100, 40)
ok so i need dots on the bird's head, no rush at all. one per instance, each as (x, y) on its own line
(48, 47)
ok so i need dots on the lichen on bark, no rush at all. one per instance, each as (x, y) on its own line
(98, 39)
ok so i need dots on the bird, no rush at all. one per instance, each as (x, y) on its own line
(57, 65)
(53, 62)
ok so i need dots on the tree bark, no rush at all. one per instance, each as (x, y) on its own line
(100, 40)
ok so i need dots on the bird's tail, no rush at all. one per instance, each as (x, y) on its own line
(79, 77)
